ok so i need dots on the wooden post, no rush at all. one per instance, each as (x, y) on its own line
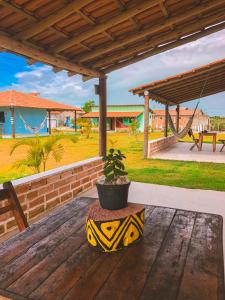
(102, 115)
(49, 123)
(166, 121)
(75, 121)
(178, 117)
(146, 123)
(12, 119)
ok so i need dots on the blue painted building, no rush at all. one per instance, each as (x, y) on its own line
(24, 114)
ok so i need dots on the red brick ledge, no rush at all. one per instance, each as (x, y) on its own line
(160, 144)
(41, 192)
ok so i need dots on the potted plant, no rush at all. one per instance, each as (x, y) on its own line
(113, 187)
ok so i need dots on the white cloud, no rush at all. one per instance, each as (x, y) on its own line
(171, 62)
(56, 86)
(71, 90)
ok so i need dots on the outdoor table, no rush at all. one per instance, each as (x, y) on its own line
(212, 134)
(179, 257)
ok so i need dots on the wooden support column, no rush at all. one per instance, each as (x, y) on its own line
(146, 123)
(12, 120)
(178, 117)
(75, 121)
(102, 115)
(49, 123)
(166, 121)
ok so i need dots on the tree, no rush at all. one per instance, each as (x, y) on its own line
(87, 105)
(39, 151)
(133, 126)
(86, 127)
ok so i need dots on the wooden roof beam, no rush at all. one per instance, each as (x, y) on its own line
(146, 31)
(31, 61)
(107, 24)
(86, 17)
(193, 82)
(28, 15)
(14, 45)
(160, 98)
(166, 38)
(52, 19)
(196, 90)
(162, 49)
(195, 97)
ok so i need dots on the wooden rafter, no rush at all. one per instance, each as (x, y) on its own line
(109, 23)
(29, 16)
(147, 31)
(14, 45)
(162, 99)
(52, 19)
(157, 50)
(187, 86)
(167, 37)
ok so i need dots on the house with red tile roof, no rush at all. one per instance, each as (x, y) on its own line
(120, 116)
(25, 114)
(200, 122)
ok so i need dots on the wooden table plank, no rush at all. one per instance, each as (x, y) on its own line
(127, 280)
(20, 243)
(39, 250)
(164, 277)
(203, 274)
(180, 257)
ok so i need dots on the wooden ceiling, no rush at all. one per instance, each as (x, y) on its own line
(95, 37)
(200, 82)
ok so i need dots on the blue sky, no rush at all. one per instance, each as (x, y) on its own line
(16, 74)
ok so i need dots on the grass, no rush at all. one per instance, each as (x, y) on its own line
(165, 172)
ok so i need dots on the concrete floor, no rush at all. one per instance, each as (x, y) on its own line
(180, 151)
(196, 200)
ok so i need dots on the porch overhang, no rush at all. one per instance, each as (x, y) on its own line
(191, 85)
(93, 38)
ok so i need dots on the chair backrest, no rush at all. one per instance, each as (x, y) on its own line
(8, 194)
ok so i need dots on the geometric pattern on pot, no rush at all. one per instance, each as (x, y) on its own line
(107, 236)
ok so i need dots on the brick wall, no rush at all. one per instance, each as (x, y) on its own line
(42, 192)
(160, 144)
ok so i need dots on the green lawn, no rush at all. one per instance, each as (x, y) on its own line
(165, 172)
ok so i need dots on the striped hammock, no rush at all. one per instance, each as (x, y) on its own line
(30, 128)
(185, 130)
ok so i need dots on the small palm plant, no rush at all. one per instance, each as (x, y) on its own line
(39, 151)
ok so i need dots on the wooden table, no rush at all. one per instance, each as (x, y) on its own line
(212, 134)
(180, 257)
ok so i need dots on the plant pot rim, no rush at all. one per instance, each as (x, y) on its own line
(113, 185)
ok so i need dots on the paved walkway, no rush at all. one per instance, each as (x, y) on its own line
(174, 197)
(180, 151)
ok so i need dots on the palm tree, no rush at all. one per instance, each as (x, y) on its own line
(40, 149)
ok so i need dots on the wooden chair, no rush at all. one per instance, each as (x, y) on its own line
(223, 142)
(195, 140)
(8, 194)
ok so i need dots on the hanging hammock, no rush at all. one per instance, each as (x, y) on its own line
(185, 130)
(30, 128)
